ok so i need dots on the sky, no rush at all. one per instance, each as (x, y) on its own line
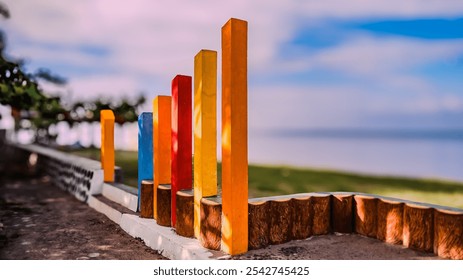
(312, 64)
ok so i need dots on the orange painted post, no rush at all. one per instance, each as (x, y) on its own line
(161, 144)
(205, 131)
(181, 156)
(107, 144)
(234, 137)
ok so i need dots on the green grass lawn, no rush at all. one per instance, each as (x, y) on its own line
(278, 180)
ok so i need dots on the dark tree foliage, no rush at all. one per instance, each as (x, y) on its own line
(17, 88)
(45, 74)
(124, 111)
(4, 11)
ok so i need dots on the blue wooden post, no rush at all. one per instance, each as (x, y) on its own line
(145, 149)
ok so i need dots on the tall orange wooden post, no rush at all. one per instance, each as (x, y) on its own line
(161, 144)
(205, 130)
(181, 139)
(107, 144)
(234, 137)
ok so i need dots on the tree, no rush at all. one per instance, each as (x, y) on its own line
(5, 14)
(124, 111)
(4, 11)
(21, 91)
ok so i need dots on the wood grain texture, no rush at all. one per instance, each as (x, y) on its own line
(258, 225)
(185, 213)
(235, 137)
(163, 205)
(448, 234)
(181, 147)
(281, 220)
(418, 227)
(366, 215)
(211, 224)
(107, 144)
(205, 130)
(146, 199)
(161, 144)
(321, 213)
(390, 221)
(301, 217)
(342, 214)
(145, 150)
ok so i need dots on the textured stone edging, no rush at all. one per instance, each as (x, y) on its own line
(80, 176)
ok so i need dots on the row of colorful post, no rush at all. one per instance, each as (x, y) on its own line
(165, 139)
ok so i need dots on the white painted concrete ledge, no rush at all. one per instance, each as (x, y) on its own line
(120, 196)
(162, 239)
(105, 209)
(166, 241)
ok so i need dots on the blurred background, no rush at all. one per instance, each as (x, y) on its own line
(373, 87)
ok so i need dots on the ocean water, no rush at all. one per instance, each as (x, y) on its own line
(410, 153)
(425, 154)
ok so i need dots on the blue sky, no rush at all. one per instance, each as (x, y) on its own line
(334, 63)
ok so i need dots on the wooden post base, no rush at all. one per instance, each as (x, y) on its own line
(366, 215)
(418, 229)
(448, 234)
(342, 213)
(185, 213)
(146, 199)
(321, 213)
(280, 219)
(163, 205)
(390, 221)
(211, 223)
(302, 220)
(258, 225)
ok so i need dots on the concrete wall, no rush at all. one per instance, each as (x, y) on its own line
(80, 176)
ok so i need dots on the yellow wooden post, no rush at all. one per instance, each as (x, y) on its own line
(234, 137)
(205, 130)
(161, 144)
(107, 144)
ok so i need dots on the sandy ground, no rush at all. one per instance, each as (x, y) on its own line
(40, 221)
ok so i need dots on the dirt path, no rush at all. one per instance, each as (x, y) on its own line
(40, 221)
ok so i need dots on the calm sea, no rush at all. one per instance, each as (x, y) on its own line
(419, 153)
(411, 153)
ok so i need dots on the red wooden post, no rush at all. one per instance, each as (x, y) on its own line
(181, 138)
